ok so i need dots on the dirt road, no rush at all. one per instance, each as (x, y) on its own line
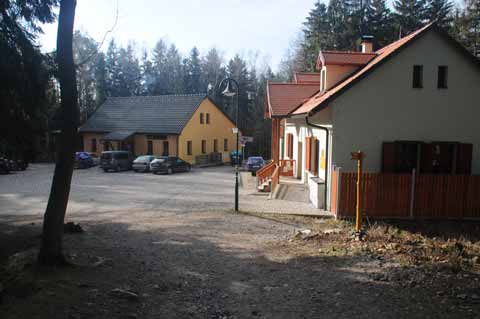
(160, 252)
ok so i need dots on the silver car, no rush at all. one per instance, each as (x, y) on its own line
(142, 163)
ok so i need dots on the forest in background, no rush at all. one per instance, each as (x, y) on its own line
(29, 92)
(339, 24)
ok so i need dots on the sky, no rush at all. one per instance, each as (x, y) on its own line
(266, 27)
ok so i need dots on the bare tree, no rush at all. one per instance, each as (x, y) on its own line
(51, 252)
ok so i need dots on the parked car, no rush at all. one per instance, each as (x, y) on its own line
(116, 161)
(4, 165)
(142, 163)
(83, 160)
(96, 160)
(254, 163)
(234, 158)
(169, 165)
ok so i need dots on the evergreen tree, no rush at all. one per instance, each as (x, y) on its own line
(380, 23)
(100, 80)
(410, 15)
(193, 73)
(84, 48)
(25, 75)
(158, 62)
(173, 71)
(317, 35)
(112, 70)
(147, 75)
(441, 12)
(129, 72)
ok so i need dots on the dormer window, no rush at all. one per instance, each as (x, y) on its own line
(417, 77)
(442, 82)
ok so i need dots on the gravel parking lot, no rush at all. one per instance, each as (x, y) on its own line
(170, 247)
(26, 193)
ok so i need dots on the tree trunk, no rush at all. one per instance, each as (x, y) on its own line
(51, 252)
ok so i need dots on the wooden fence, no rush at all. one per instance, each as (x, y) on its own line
(407, 195)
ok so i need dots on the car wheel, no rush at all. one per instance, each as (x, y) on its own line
(105, 170)
(169, 171)
(189, 168)
(117, 168)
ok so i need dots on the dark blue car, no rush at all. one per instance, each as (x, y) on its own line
(254, 163)
(83, 160)
(234, 159)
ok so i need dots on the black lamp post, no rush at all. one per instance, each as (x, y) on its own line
(233, 93)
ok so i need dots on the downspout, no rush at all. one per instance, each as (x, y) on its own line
(326, 155)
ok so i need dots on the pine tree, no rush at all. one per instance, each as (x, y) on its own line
(158, 62)
(112, 70)
(380, 23)
(173, 70)
(193, 73)
(441, 12)
(129, 72)
(410, 15)
(317, 35)
(100, 80)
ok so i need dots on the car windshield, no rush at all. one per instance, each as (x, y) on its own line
(143, 159)
(161, 159)
(255, 160)
(106, 156)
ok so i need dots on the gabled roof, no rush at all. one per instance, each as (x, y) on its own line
(343, 58)
(306, 78)
(283, 98)
(321, 99)
(162, 114)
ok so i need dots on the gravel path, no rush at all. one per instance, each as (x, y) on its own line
(170, 247)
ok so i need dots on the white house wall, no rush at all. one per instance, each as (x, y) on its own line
(384, 107)
(298, 128)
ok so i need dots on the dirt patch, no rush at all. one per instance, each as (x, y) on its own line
(222, 265)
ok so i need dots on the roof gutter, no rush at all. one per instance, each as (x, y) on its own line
(326, 154)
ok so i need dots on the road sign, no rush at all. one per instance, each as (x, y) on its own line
(245, 139)
(235, 130)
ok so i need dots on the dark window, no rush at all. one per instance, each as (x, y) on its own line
(189, 147)
(150, 147)
(442, 77)
(204, 146)
(165, 148)
(94, 145)
(156, 137)
(207, 118)
(225, 144)
(201, 118)
(215, 145)
(417, 76)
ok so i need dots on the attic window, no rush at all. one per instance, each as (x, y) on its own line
(201, 118)
(417, 77)
(442, 77)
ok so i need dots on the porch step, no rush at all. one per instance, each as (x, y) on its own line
(264, 187)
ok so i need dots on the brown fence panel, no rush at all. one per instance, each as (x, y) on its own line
(447, 196)
(383, 195)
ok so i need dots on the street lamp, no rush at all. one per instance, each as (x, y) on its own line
(229, 92)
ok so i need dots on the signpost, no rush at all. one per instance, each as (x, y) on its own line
(358, 156)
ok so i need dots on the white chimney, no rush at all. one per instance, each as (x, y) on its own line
(367, 44)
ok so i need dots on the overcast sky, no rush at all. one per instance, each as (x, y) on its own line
(233, 26)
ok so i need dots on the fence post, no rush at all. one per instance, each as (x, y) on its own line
(339, 181)
(412, 193)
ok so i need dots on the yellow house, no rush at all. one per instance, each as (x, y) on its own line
(190, 126)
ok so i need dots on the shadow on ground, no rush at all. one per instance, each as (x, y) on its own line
(203, 268)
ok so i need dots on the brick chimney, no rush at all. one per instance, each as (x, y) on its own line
(367, 44)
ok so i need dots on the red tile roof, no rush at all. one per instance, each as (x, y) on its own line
(343, 58)
(382, 54)
(306, 78)
(283, 98)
